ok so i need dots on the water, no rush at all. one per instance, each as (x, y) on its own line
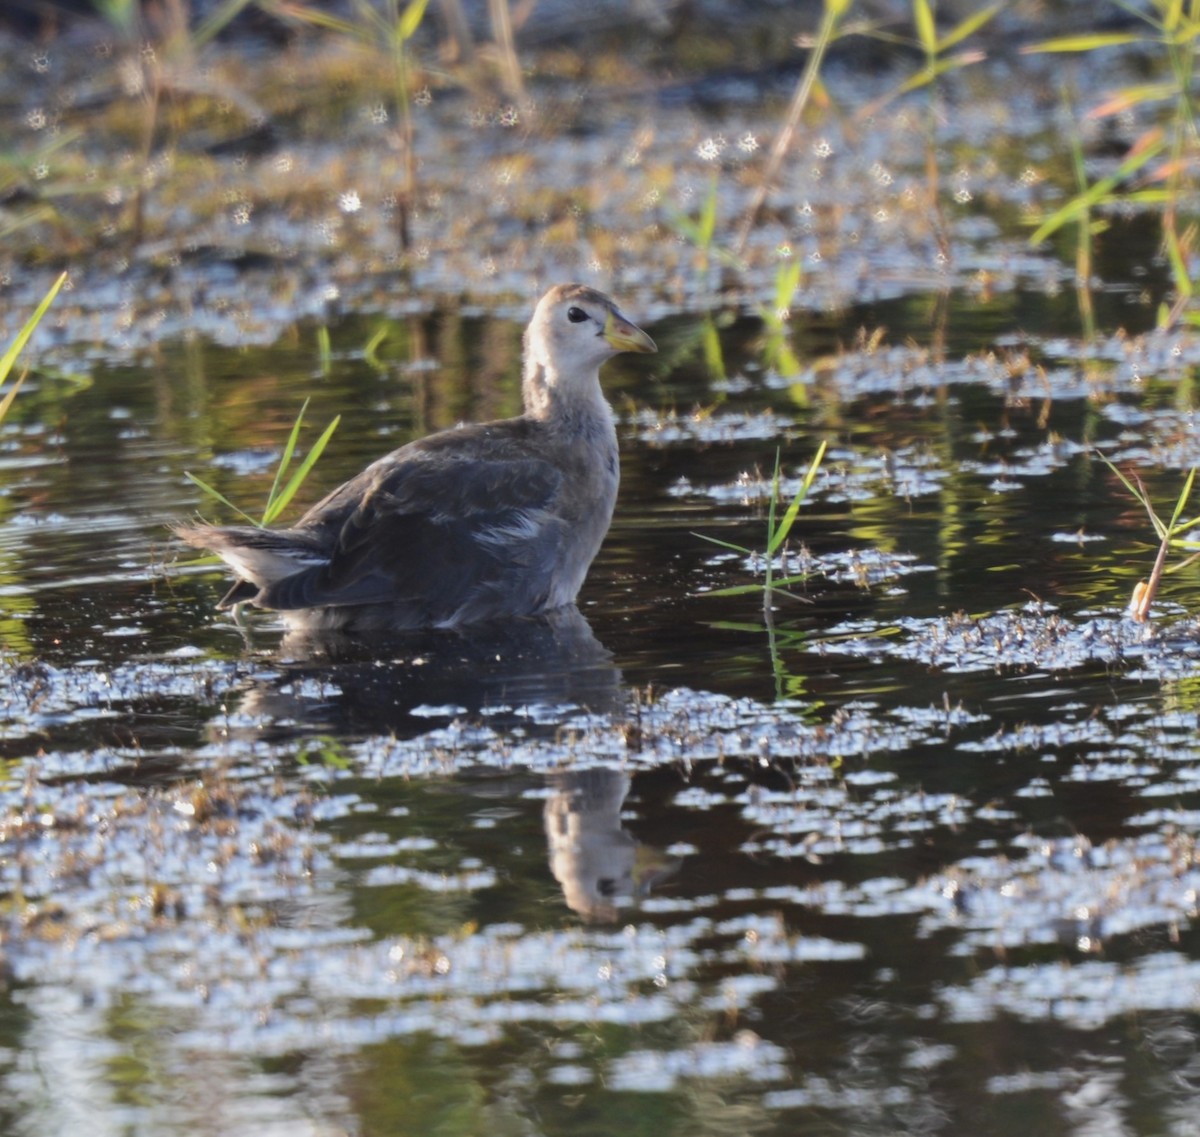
(918, 856)
(915, 855)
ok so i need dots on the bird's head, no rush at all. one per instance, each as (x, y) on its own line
(573, 331)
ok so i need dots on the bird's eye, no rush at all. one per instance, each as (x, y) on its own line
(576, 315)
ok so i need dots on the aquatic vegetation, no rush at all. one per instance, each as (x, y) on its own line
(935, 47)
(1035, 638)
(777, 535)
(701, 229)
(772, 587)
(393, 28)
(832, 13)
(777, 349)
(281, 492)
(14, 349)
(1170, 534)
(1172, 29)
(929, 820)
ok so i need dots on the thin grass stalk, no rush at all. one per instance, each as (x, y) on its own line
(403, 27)
(1182, 66)
(278, 499)
(1083, 250)
(768, 586)
(151, 94)
(510, 66)
(834, 10)
(19, 341)
(927, 37)
(789, 518)
(217, 495)
(407, 134)
(1142, 610)
(1145, 591)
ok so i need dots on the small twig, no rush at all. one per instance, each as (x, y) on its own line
(783, 141)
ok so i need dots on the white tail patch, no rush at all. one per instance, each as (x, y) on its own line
(266, 566)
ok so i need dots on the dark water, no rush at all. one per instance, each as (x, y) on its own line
(918, 856)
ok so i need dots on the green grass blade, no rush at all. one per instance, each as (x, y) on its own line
(217, 495)
(1130, 486)
(725, 544)
(279, 504)
(734, 625)
(284, 462)
(1139, 495)
(1187, 525)
(707, 223)
(710, 343)
(324, 350)
(307, 14)
(1089, 42)
(1182, 500)
(771, 512)
(370, 352)
(795, 578)
(787, 280)
(1150, 197)
(932, 71)
(736, 590)
(1179, 268)
(1082, 202)
(778, 536)
(411, 19)
(22, 337)
(9, 395)
(967, 27)
(1186, 34)
(926, 28)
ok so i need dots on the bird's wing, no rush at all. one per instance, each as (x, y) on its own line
(430, 528)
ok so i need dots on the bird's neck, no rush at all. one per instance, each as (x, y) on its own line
(551, 397)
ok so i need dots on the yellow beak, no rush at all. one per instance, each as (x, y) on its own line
(624, 336)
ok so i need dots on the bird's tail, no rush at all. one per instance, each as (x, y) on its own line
(260, 557)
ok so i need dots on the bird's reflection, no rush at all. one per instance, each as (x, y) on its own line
(335, 684)
(600, 866)
(360, 685)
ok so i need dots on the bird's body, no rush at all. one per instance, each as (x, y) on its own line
(483, 522)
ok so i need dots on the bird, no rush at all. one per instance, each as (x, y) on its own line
(482, 522)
